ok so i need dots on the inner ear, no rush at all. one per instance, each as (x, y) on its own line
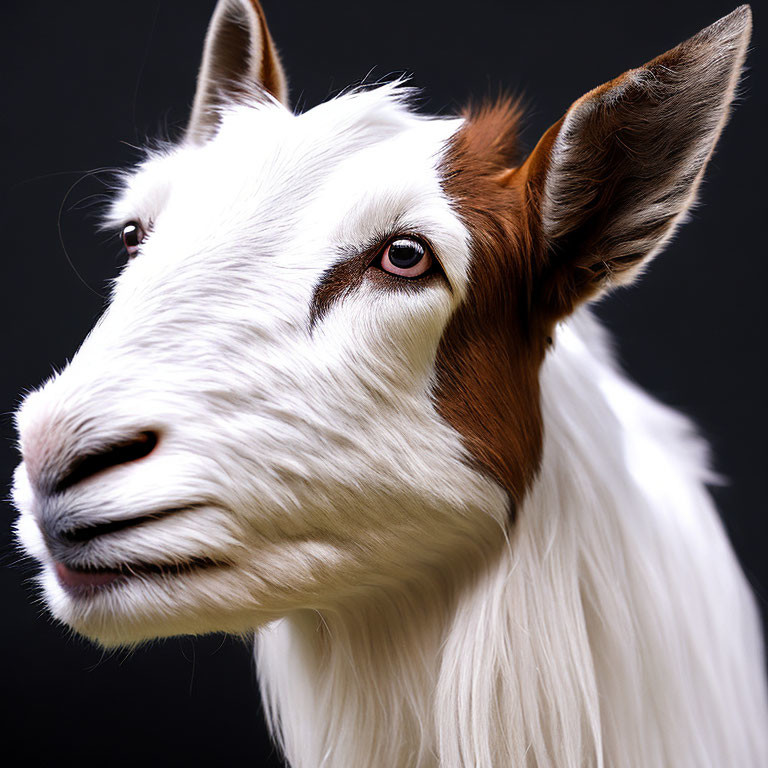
(612, 180)
(239, 60)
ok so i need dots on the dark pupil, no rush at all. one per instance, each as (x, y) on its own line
(405, 253)
(131, 236)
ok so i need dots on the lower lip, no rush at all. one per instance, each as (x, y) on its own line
(85, 581)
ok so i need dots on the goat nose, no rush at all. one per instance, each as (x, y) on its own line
(122, 452)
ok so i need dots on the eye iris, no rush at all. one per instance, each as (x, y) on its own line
(405, 254)
(131, 237)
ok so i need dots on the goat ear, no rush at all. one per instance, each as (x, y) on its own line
(239, 56)
(613, 178)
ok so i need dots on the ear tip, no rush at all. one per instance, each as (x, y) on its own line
(743, 13)
(745, 16)
(722, 44)
(738, 23)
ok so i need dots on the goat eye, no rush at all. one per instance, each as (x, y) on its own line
(406, 257)
(132, 236)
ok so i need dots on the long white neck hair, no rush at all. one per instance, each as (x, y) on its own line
(602, 631)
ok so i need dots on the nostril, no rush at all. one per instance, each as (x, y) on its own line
(119, 453)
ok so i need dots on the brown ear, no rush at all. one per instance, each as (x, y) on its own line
(613, 178)
(239, 57)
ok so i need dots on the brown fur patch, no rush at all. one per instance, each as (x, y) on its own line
(600, 192)
(271, 75)
(489, 357)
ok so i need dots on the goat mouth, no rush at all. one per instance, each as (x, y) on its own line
(87, 533)
(82, 581)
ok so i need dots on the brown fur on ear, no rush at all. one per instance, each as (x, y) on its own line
(239, 58)
(616, 174)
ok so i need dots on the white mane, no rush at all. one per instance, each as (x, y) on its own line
(600, 634)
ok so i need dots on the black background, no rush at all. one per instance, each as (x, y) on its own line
(83, 81)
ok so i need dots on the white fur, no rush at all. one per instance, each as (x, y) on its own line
(400, 623)
(604, 633)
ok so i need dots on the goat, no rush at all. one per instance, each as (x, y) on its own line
(349, 394)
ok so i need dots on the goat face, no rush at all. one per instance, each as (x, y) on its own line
(318, 374)
(293, 452)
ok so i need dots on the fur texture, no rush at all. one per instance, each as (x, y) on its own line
(318, 478)
(629, 156)
(601, 632)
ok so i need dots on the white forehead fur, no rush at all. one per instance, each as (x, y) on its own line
(350, 169)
